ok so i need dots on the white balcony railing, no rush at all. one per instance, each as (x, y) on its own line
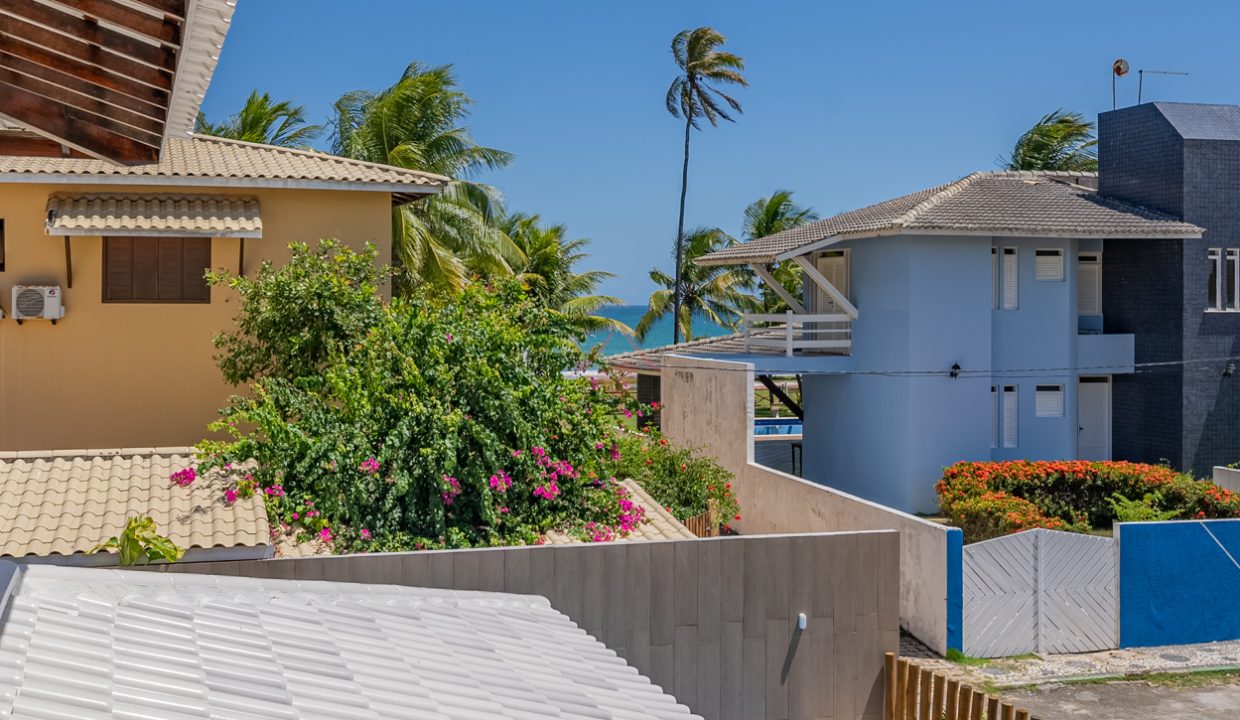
(791, 332)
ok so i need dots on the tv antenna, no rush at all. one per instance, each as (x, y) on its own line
(1119, 69)
(1141, 78)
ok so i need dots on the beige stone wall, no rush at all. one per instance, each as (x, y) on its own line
(137, 375)
(712, 621)
(708, 405)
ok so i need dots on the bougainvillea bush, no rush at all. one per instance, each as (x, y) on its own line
(683, 482)
(447, 420)
(989, 499)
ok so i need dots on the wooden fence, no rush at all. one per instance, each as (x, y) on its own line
(706, 524)
(917, 693)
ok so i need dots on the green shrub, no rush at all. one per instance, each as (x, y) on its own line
(293, 316)
(1144, 510)
(438, 420)
(684, 483)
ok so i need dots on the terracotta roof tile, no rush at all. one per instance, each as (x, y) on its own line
(138, 214)
(67, 502)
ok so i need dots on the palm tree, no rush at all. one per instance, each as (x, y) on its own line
(717, 293)
(767, 216)
(263, 121)
(694, 94)
(417, 124)
(1059, 141)
(547, 268)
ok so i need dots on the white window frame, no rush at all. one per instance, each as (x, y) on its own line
(1057, 272)
(1048, 401)
(1010, 434)
(994, 416)
(1011, 278)
(1223, 259)
(1096, 260)
(994, 278)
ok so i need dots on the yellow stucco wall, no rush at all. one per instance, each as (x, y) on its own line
(136, 375)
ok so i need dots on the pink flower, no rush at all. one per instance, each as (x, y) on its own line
(516, 453)
(230, 496)
(503, 510)
(370, 466)
(501, 481)
(365, 534)
(296, 516)
(185, 477)
(325, 534)
(449, 337)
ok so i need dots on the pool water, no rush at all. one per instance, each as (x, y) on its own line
(777, 426)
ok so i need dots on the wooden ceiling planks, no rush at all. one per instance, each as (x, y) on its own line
(94, 75)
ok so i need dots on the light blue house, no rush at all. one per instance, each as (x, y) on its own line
(962, 322)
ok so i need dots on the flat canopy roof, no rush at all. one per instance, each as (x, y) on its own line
(112, 79)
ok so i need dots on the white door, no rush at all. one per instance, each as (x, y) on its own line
(1093, 412)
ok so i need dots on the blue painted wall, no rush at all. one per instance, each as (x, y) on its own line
(1178, 582)
(924, 303)
(1040, 333)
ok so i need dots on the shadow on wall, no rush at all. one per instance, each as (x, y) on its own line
(708, 406)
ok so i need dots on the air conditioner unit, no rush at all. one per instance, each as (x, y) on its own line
(37, 301)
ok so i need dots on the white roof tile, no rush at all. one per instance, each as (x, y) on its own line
(89, 643)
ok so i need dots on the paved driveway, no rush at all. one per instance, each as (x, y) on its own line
(1131, 701)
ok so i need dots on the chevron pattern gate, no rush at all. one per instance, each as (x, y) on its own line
(1040, 591)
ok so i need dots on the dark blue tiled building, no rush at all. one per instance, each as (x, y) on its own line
(1179, 302)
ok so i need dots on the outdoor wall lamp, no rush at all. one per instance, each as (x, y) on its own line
(1229, 369)
(802, 621)
(955, 371)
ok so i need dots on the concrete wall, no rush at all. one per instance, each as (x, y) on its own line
(137, 375)
(1228, 478)
(708, 406)
(713, 621)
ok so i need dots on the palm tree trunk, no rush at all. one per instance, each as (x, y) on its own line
(680, 237)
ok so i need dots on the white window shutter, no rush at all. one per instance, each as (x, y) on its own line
(1089, 285)
(994, 283)
(1049, 401)
(1011, 290)
(1009, 416)
(1048, 265)
(994, 415)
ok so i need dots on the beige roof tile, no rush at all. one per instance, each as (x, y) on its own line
(166, 214)
(660, 524)
(205, 161)
(1059, 204)
(67, 502)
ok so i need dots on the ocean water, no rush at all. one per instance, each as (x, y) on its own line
(660, 334)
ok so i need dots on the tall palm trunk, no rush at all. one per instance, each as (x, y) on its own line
(677, 296)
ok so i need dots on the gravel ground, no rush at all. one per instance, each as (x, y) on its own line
(1130, 701)
(1036, 670)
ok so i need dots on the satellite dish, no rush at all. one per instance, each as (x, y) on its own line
(1120, 67)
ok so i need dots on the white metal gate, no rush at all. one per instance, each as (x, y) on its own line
(1040, 591)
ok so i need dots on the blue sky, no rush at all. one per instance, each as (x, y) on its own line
(849, 103)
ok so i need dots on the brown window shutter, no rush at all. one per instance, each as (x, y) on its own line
(196, 258)
(156, 270)
(117, 269)
(145, 269)
(169, 280)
